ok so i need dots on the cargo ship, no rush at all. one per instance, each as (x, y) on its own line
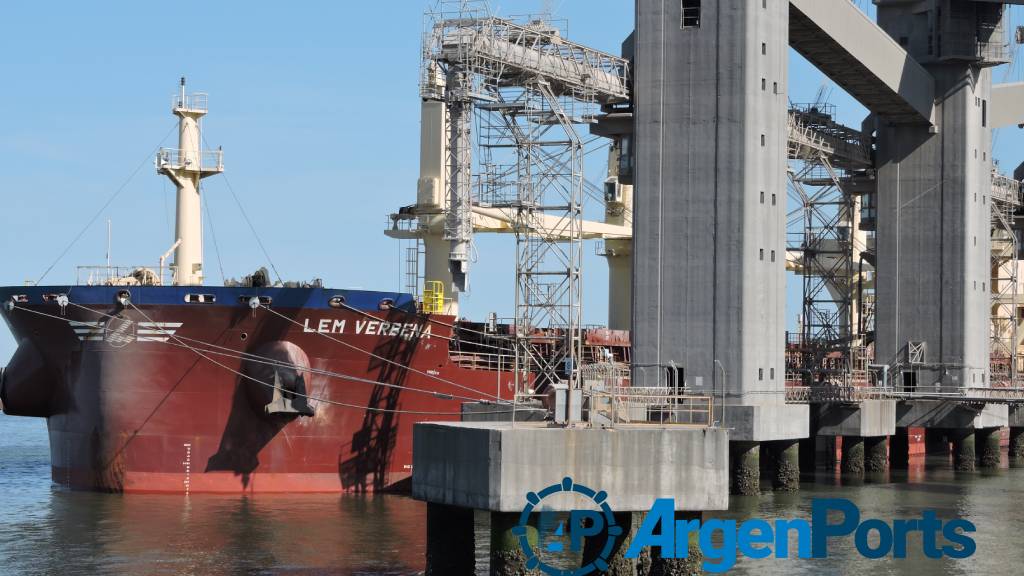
(152, 381)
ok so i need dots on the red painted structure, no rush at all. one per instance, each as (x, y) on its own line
(132, 407)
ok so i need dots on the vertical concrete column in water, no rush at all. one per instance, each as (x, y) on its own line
(744, 468)
(852, 463)
(963, 450)
(692, 564)
(451, 547)
(876, 453)
(507, 557)
(1017, 445)
(988, 449)
(899, 449)
(785, 465)
(936, 442)
(618, 565)
(808, 453)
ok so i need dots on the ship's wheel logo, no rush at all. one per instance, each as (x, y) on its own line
(581, 524)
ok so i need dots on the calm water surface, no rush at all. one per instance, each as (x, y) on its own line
(44, 530)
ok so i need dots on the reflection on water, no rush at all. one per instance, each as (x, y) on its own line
(48, 531)
(993, 501)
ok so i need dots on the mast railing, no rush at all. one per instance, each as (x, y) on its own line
(205, 160)
(196, 101)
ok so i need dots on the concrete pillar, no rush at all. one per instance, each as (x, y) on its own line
(744, 468)
(617, 564)
(852, 463)
(808, 453)
(876, 453)
(507, 557)
(963, 450)
(1017, 446)
(679, 566)
(935, 442)
(988, 447)
(451, 548)
(899, 449)
(785, 465)
(826, 451)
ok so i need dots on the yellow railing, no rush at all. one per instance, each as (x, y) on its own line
(433, 297)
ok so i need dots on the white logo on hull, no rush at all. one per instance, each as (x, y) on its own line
(120, 332)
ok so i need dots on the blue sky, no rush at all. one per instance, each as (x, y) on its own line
(315, 104)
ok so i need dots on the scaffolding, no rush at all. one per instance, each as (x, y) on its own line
(528, 89)
(1006, 201)
(829, 164)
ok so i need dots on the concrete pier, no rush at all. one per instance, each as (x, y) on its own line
(459, 467)
(1016, 446)
(679, 566)
(852, 463)
(950, 422)
(864, 428)
(964, 456)
(618, 565)
(785, 465)
(507, 557)
(936, 442)
(989, 453)
(1015, 420)
(899, 449)
(744, 468)
(876, 453)
(451, 546)
(808, 453)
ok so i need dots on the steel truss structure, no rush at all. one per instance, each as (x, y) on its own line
(827, 159)
(1006, 201)
(528, 89)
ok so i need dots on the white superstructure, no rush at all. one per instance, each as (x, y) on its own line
(186, 165)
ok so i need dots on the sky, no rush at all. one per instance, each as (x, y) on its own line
(316, 106)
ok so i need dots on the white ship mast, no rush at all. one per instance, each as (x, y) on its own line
(186, 166)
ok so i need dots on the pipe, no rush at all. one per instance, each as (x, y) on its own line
(722, 419)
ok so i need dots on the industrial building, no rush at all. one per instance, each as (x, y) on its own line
(902, 231)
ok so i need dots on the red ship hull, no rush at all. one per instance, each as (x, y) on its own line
(175, 414)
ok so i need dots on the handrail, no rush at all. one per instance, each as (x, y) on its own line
(176, 158)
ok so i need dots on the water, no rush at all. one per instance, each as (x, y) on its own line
(44, 530)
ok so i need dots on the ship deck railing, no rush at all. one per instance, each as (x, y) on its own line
(106, 275)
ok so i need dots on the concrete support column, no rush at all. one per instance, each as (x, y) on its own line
(876, 453)
(451, 547)
(744, 468)
(785, 455)
(808, 453)
(617, 564)
(988, 447)
(507, 557)
(679, 566)
(852, 463)
(963, 450)
(935, 442)
(899, 449)
(1017, 446)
